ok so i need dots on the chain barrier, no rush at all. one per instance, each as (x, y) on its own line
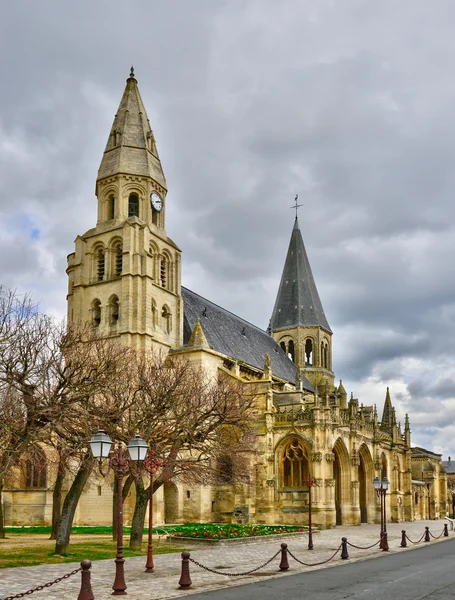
(318, 563)
(418, 541)
(45, 585)
(364, 547)
(233, 574)
(439, 536)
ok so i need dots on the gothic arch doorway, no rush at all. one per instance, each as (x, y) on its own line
(337, 478)
(363, 493)
(366, 490)
(341, 478)
(171, 502)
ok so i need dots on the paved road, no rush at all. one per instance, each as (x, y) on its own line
(425, 573)
(239, 557)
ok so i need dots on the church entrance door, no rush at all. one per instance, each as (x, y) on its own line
(362, 492)
(171, 502)
(337, 478)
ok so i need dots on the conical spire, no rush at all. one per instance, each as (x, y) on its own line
(131, 147)
(342, 394)
(387, 414)
(298, 301)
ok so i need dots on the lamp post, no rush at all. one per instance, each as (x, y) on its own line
(309, 481)
(151, 465)
(381, 487)
(118, 461)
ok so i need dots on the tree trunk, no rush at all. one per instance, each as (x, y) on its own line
(126, 488)
(69, 507)
(57, 498)
(2, 522)
(140, 509)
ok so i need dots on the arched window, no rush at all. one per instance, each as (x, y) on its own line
(163, 272)
(154, 254)
(118, 258)
(96, 313)
(133, 205)
(100, 264)
(294, 465)
(283, 346)
(322, 355)
(167, 319)
(34, 469)
(114, 308)
(383, 466)
(154, 314)
(291, 352)
(111, 207)
(309, 352)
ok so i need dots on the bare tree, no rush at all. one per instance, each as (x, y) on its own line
(192, 422)
(48, 375)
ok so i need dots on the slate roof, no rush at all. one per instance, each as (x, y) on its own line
(449, 466)
(298, 301)
(230, 335)
(419, 452)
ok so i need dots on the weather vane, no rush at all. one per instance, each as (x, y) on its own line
(296, 206)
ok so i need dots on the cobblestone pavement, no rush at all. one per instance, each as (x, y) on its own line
(238, 557)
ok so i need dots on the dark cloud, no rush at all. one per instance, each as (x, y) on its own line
(348, 104)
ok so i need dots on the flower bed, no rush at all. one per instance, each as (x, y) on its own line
(225, 531)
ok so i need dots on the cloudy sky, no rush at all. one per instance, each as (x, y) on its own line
(348, 103)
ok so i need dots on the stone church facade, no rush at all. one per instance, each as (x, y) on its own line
(124, 277)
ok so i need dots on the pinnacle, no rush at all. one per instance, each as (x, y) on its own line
(198, 339)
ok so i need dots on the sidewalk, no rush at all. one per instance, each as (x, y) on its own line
(163, 583)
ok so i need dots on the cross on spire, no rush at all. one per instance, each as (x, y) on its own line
(296, 206)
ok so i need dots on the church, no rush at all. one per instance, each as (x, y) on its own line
(124, 277)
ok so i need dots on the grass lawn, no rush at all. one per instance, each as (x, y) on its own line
(193, 530)
(19, 550)
(27, 546)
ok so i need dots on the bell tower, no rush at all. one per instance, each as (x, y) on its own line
(298, 320)
(124, 276)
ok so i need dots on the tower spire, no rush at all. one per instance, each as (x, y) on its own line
(298, 302)
(131, 148)
(298, 321)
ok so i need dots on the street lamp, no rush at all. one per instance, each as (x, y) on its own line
(381, 488)
(100, 445)
(309, 481)
(151, 465)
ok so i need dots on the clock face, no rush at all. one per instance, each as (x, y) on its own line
(156, 202)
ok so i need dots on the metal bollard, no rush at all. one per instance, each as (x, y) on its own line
(404, 543)
(427, 534)
(344, 548)
(284, 564)
(86, 592)
(185, 580)
(446, 530)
